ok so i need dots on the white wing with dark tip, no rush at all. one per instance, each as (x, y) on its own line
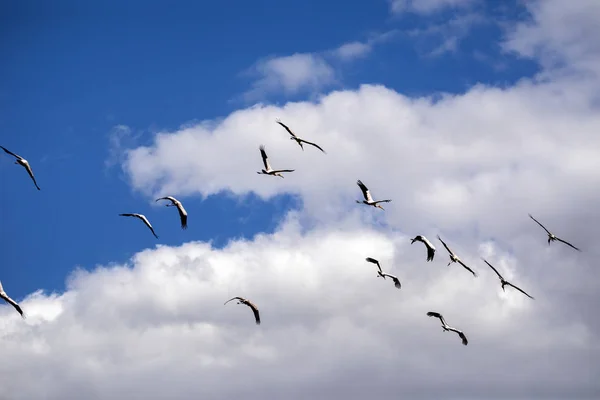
(10, 301)
(143, 218)
(465, 266)
(249, 304)
(446, 246)
(265, 159)
(437, 315)
(24, 163)
(182, 213)
(394, 278)
(365, 191)
(374, 261)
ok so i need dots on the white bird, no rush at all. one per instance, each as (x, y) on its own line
(383, 274)
(454, 258)
(24, 163)
(268, 170)
(297, 139)
(445, 326)
(428, 244)
(242, 300)
(503, 281)
(182, 213)
(143, 218)
(10, 301)
(551, 236)
(367, 195)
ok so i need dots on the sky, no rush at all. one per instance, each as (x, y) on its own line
(468, 114)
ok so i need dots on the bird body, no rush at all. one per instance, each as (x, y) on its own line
(182, 213)
(368, 198)
(268, 170)
(552, 237)
(454, 258)
(428, 244)
(10, 301)
(247, 302)
(382, 274)
(143, 218)
(504, 282)
(446, 327)
(297, 139)
(24, 163)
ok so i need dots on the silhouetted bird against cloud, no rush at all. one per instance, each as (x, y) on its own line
(454, 258)
(242, 300)
(367, 195)
(268, 170)
(446, 327)
(503, 281)
(430, 247)
(297, 139)
(551, 236)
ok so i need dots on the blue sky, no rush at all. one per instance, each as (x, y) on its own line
(70, 73)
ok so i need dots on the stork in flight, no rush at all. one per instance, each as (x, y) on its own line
(182, 213)
(383, 274)
(503, 281)
(551, 236)
(143, 218)
(10, 301)
(268, 170)
(446, 327)
(454, 257)
(428, 244)
(24, 163)
(367, 195)
(242, 300)
(297, 139)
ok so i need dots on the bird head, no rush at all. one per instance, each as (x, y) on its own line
(413, 240)
(378, 206)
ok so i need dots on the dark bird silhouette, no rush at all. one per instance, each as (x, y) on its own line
(503, 281)
(454, 258)
(24, 163)
(551, 236)
(182, 213)
(268, 170)
(367, 195)
(242, 300)
(383, 274)
(446, 327)
(297, 139)
(428, 244)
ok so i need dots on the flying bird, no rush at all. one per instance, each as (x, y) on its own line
(143, 218)
(454, 258)
(268, 170)
(551, 236)
(503, 281)
(297, 139)
(367, 195)
(430, 247)
(10, 301)
(182, 213)
(24, 163)
(383, 274)
(242, 300)
(446, 327)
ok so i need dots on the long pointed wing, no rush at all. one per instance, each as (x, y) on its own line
(567, 243)
(382, 201)
(437, 315)
(15, 305)
(255, 311)
(538, 222)
(182, 215)
(430, 253)
(30, 172)
(461, 334)
(263, 154)
(234, 298)
(143, 218)
(374, 261)
(313, 144)
(492, 267)
(445, 245)
(286, 127)
(395, 279)
(366, 193)
(282, 170)
(520, 290)
(11, 153)
(469, 269)
(172, 199)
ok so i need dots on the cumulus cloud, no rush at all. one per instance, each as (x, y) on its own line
(427, 7)
(290, 74)
(358, 49)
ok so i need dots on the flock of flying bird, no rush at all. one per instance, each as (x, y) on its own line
(368, 200)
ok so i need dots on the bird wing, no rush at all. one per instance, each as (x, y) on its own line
(282, 170)
(469, 269)
(234, 298)
(461, 334)
(538, 222)
(395, 279)
(263, 154)
(382, 201)
(143, 218)
(445, 245)
(567, 243)
(374, 261)
(11, 153)
(14, 304)
(492, 267)
(30, 172)
(128, 215)
(366, 192)
(430, 253)
(254, 310)
(182, 215)
(172, 199)
(519, 289)
(437, 315)
(313, 144)
(286, 128)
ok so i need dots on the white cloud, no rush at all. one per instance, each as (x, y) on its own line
(291, 74)
(427, 7)
(353, 50)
